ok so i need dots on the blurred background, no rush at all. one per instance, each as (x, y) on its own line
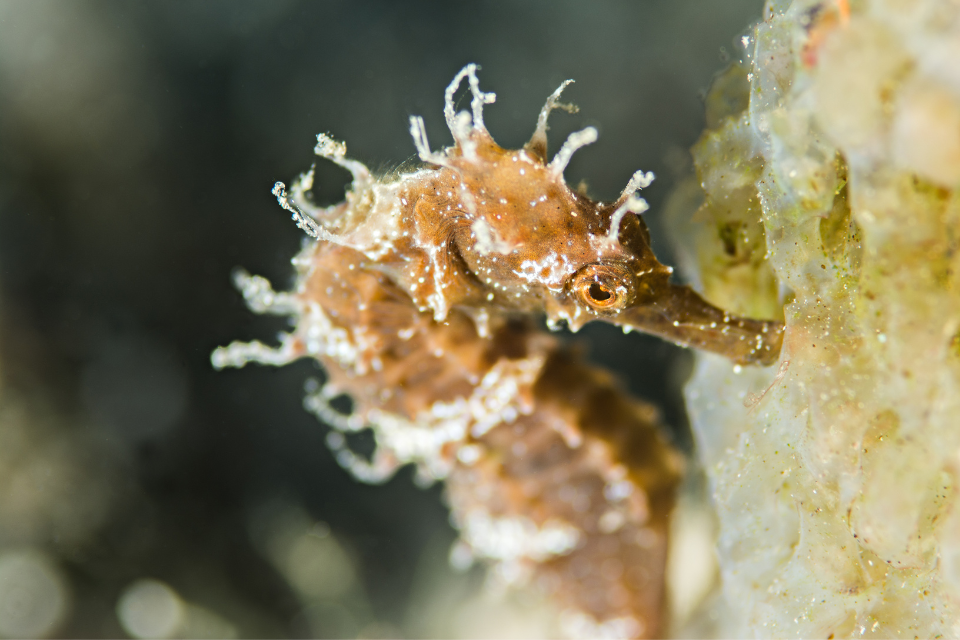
(143, 494)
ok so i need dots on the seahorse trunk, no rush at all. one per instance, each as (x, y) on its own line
(553, 474)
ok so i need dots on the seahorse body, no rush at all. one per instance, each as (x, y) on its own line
(416, 298)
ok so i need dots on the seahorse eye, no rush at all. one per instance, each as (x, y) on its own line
(603, 287)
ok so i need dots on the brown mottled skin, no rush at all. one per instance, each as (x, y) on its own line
(422, 286)
(528, 467)
(651, 304)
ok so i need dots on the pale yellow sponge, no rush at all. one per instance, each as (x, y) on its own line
(833, 195)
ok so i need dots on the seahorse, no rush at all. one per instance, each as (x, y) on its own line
(418, 295)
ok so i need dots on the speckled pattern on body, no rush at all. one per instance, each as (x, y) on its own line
(417, 296)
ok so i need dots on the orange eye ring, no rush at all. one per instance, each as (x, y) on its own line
(603, 287)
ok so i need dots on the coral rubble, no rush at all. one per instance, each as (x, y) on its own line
(829, 174)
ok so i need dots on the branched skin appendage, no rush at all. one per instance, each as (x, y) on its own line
(416, 296)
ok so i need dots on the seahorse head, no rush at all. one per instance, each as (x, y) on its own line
(490, 230)
(531, 240)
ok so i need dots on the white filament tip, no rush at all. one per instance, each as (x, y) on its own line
(575, 141)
